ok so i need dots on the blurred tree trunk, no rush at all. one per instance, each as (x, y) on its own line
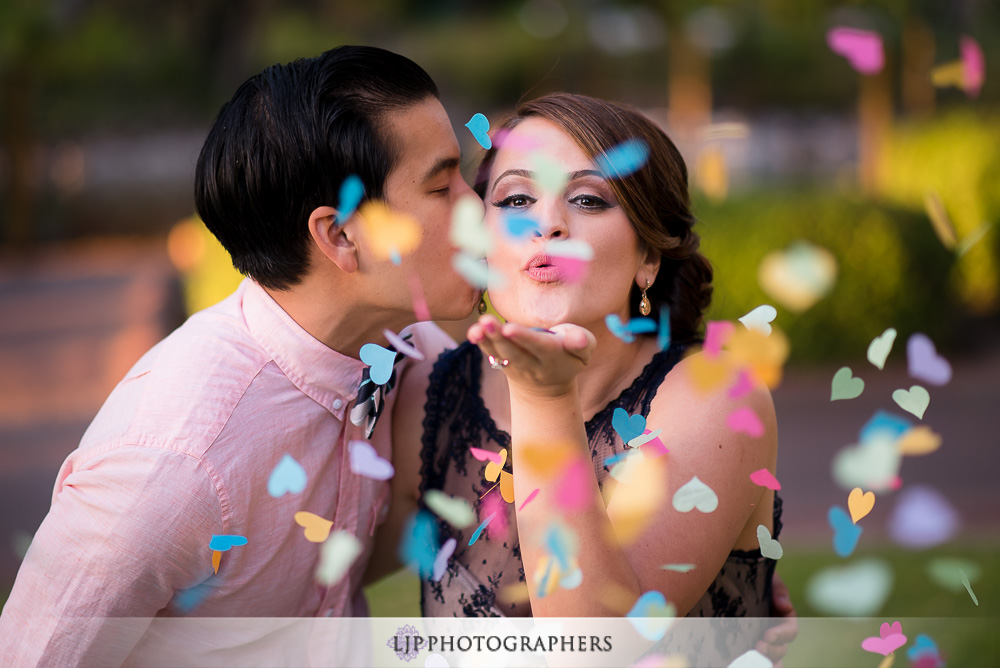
(690, 85)
(874, 123)
(918, 61)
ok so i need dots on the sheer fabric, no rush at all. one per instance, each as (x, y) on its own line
(479, 576)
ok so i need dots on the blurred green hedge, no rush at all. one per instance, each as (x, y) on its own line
(892, 270)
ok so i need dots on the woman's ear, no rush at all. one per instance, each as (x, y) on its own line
(334, 239)
(649, 269)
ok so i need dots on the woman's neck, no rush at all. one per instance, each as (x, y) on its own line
(613, 367)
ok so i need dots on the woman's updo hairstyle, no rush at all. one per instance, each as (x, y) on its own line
(654, 197)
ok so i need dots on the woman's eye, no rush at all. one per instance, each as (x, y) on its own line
(589, 202)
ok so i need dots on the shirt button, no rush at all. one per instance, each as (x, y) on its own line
(337, 403)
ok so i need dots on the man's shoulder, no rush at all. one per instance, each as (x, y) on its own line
(183, 390)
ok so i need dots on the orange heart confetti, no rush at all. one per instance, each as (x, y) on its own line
(216, 560)
(507, 486)
(494, 468)
(317, 529)
(546, 460)
(860, 503)
(763, 355)
(708, 374)
(389, 232)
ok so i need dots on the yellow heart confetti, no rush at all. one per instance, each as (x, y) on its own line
(763, 355)
(708, 374)
(919, 440)
(493, 469)
(546, 460)
(949, 74)
(317, 529)
(712, 173)
(507, 486)
(860, 503)
(389, 232)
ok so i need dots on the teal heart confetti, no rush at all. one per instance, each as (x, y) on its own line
(380, 360)
(623, 159)
(352, 191)
(288, 477)
(845, 532)
(479, 530)
(225, 542)
(627, 426)
(479, 126)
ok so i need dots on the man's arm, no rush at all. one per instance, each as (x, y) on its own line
(128, 527)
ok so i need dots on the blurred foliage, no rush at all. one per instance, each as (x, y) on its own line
(956, 156)
(892, 270)
(206, 269)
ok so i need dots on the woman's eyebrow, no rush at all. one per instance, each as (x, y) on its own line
(580, 173)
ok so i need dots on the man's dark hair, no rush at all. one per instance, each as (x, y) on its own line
(286, 141)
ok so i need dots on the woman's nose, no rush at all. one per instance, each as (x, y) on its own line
(553, 224)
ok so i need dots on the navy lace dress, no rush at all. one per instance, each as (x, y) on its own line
(478, 576)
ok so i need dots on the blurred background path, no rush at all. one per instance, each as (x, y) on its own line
(75, 319)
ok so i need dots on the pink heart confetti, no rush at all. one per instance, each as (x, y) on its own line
(743, 384)
(487, 456)
(496, 507)
(570, 492)
(765, 478)
(653, 447)
(973, 66)
(862, 48)
(890, 639)
(717, 332)
(746, 421)
(420, 308)
(528, 500)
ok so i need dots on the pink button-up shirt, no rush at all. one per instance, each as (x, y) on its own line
(183, 449)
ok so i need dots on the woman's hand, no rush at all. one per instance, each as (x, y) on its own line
(536, 361)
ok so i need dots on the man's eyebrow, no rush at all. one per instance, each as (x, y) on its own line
(442, 165)
(530, 175)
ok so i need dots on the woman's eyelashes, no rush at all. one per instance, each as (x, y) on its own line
(516, 201)
(589, 202)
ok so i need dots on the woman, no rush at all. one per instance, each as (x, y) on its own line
(539, 394)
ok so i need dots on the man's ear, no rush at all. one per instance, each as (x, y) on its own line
(333, 240)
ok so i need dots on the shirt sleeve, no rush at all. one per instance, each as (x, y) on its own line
(127, 529)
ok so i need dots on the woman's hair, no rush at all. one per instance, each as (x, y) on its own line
(654, 197)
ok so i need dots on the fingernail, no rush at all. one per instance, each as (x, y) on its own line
(490, 327)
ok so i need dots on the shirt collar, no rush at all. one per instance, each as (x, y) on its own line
(321, 373)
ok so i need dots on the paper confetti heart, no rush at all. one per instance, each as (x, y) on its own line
(872, 465)
(880, 347)
(352, 191)
(890, 639)
(717, 333)
(520, 227)
(468, 231)
(707, 374)
(924, 363)
(457, 512)
(663, 330)
(845, 385)
(765, 478)
(401, 345)
(762, 355)
(743, 385)
(571, 490)
(695, 494)
(919, 440)
(769, 547)
(862, 48)
(744, 420)
(336, 556)
(495, 466)
(884, 426)
(390, 233)
(627, 426)
(487, 456)
(968, 588)
(751, 659)
(380, 360)
(479, 530)
(678, 568)
(479, 126)
(845, 532)
(760, 318)
(922, 518)
(570, 257)
(799, 276)
(550, 175)
(419, 546)
(531, 496)
(623, 159)
(648, 436)
(652, 615)
(974, 65)
(856, 590)
(476, 272)
(287, 477)
(947, 572)
(225, 542)
(922, 646)
(915, 400)
(441, 560)
(317, 529)
(860, 503)
(366, 462)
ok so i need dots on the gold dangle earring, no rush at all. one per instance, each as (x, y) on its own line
(644, 306)
(482, 304)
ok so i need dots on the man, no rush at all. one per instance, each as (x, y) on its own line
(171, 481)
